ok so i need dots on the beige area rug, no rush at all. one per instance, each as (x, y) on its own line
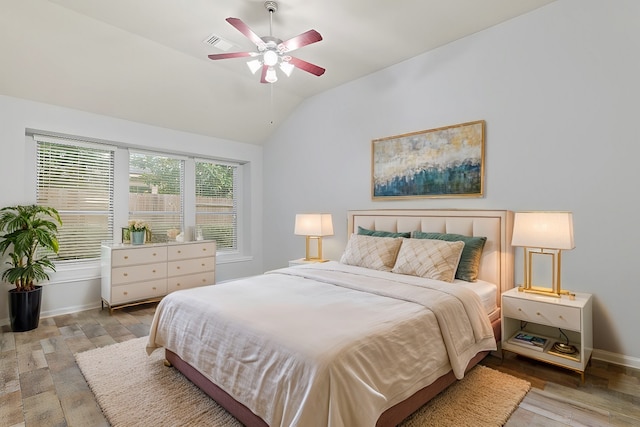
(134, 389)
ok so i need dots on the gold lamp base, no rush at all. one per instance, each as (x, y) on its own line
(308, 257)
(550, 292)
(556, 288)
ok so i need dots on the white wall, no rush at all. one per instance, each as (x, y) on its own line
(559, 91)
(73, 289)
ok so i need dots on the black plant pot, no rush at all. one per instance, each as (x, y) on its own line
(24, 309)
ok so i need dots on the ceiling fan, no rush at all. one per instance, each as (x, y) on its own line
(272, 51)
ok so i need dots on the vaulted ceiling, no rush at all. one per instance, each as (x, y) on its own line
(146, 60)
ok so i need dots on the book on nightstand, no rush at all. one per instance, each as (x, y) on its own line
(525, 339)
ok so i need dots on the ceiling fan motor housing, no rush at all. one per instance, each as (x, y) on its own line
(271, 6)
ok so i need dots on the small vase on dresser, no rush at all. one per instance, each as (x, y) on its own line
(137, 237)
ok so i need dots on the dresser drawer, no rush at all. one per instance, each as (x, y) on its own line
(190, 281)
(138, 291)
(549, 314)
(191, 250)
(142, 255)
(138, 273)
(196, 265)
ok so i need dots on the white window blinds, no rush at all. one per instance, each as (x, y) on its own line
(217, 203)
(156, 192)
(76, 178)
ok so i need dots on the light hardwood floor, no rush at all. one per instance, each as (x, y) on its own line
(41, 385)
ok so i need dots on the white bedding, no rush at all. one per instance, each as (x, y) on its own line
(485, 290)
(323, 344)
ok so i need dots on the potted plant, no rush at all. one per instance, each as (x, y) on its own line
(29, 234)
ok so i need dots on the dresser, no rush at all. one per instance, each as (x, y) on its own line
(137, 274)
(552, 319)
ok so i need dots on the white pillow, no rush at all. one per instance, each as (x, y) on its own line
(376, 253)
(433, 259)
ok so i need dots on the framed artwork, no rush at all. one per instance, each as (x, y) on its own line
(126, 235)
(442, 162)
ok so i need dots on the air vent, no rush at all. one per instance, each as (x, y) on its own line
(218, 42)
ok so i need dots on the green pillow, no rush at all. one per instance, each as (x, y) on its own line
(469, 260)
(380, 233)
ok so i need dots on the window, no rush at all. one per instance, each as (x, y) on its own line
(97, 188)
(156, 188)
(217, 203)
(76, 178)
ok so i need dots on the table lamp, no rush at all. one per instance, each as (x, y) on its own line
(543, 233)
(314, 226)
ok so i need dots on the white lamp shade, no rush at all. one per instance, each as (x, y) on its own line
(314, 225)
(548, 230)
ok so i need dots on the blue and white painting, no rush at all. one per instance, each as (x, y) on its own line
(443, 162)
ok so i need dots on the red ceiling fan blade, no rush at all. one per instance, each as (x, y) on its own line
(307, 66)
(264, 74)
(244, 29)
(230, 55)
(300, 40)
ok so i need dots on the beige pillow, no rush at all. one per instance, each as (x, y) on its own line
(433, 259)
(377, 253)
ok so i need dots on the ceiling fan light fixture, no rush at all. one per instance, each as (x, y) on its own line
(270, 58)
(254, 65)
(286, 68)
(272, 51)
(271, 76)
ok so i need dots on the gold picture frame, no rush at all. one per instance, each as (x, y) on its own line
(443, 162)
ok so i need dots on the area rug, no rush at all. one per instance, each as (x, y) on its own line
(134, 389)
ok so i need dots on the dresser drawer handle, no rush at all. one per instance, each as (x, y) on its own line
(204, 280)
(204, 249)
(203, 264)
(154, 288)
(126, 274)
(178, 267)
(519, 309)
(154, 254)
(126, 293)
(177, 284)
(153, 271)
(179, 251)
(538, 313)
(126, 257)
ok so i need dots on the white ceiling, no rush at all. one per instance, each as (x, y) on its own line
(145, 60)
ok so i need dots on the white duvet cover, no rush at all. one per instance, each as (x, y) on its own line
(323, 344)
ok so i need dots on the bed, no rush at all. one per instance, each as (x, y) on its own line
(337, 343)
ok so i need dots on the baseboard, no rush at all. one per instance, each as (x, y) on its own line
(616, 359)
(65, 310)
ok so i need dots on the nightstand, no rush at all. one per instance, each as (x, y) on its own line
(545, 317)
(301, 261)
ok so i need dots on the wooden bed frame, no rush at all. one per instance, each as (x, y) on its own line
(496, 266)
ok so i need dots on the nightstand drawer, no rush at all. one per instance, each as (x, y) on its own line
(558, 316)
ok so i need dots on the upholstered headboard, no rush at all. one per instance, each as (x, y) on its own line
(496, 265)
